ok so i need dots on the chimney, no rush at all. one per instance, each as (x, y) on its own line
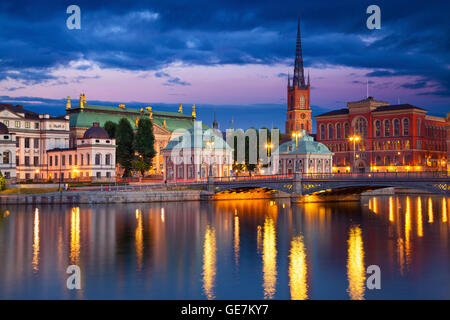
(96, 124)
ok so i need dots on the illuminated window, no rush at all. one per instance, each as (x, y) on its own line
(302, 102)
(387, 128)
(405, 127)
(377, 128)
(396, 128)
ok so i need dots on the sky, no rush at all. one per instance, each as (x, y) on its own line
(232, 56)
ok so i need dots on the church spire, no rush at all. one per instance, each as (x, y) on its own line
(215, 124)
(299, 76)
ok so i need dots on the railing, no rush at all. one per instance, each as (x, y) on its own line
(377, 175)
(254, 177)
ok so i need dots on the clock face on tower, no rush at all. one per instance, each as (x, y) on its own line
(303, 116)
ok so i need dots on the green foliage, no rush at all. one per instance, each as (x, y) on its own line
(143, 144)
(124, 141)
(111, 128)
(2, 182)
(141, 164)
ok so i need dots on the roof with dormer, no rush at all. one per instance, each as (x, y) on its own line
(305, 144)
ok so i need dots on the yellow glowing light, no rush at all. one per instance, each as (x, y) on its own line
(269, 259)
(236, 239)
(356, 272)
(430, 211)
(209, 262)
(298, 270)
(35, 261)
(444, 210)
(391, 209)
(139, 239)
(162, 215)
(419, 217)
(408, 231)
(408, 168)
(75, 235)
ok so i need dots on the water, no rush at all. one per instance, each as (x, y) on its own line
(247, 249)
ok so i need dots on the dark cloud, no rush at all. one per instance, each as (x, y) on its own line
(141, 35)
(176, 81)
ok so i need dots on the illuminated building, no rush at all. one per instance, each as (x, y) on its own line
(7, 153)
(303, 154)
(298, 115)
(373, 136)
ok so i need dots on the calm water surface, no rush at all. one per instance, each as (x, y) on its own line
(227, 249)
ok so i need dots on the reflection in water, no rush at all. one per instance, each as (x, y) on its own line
(355, 264)
(444, 210)
(209, 262)
(408, 231)
(75, 235)
(258, 239)
(419, 218)
(236, 239)
(162, 215)
(430, 210)
(391, 209)
(269, 258)
(35, 262)
(139, 238)
(298, 270)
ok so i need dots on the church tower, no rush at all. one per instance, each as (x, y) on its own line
(298, 95)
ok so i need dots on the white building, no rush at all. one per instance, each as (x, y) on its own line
(303, 155)
(7, 153)
(196, 157)
(35, 134)
(92, 159)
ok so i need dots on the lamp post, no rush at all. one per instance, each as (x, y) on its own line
(209, 144)
(354, 139)
(296, 135)
(269, 147)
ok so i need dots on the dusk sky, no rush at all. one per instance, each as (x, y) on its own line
(234, 55)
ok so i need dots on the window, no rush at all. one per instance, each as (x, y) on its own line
(17, 142)
(56, 160)
(17, 124)
(63, 160)
(6, 122)
(17, 160)
(99, 174)
(322, 132)
(97, 159)
(338, 131)
(108, 174)
(88, 159)
(82, 160)
(330, 132)
(27, 125)
(36, 125)
(292, 101)
(27, 161)
(396, 128)
(346, 130)
(302, 102)
(76, 160)
(6, 156)
(377, 128)
(35, 161)
(387, 128)
(70, 159)
(7, 175)
(27, 176)
(36, 143)
(6, 137)
(27, 143)
(405, 127)
(360, 127)
(108, 159)
(50, 163)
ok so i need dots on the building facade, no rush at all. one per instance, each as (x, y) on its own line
(303, 155)
(93, 158)
(189, 158)
(374, 136)
(165, 124)
(7, 153)
(298, 116)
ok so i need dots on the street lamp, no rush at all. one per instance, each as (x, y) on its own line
(209, 144)
(354, 139)
(269, 147)
(296, 135)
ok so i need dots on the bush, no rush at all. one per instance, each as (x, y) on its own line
(2, 182)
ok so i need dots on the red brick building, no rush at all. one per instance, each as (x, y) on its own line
(298, 96)
(389, 138)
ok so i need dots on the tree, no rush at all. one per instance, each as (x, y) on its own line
(111, 128)
(2, 182)
(125, 151)
(144, 141)
(141, 164)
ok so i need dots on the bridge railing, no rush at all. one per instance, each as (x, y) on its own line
(378, 175)
(271, 177)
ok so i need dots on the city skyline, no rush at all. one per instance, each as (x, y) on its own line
(241, 70)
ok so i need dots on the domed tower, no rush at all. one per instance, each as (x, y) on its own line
(298, 116)
(96, 132)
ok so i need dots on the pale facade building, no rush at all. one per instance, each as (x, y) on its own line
(7, 153)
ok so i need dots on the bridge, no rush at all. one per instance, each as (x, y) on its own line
(335, 184)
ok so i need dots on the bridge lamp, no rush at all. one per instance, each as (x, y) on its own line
(354, 139)
(296, 135)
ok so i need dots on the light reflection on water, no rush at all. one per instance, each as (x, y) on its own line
(246, 249)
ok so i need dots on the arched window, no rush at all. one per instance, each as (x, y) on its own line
(302, 102)
(377, 128)
(360, 127)
(108, 159)
(82, 160)
(396, 128)
(387, 128)
(97, 159)
(378, 161)
(346, 130)
(405, 127)
(419, 127)
(322, 132)
(387, 161)
(330, 131)
(88, 159)
(338, 131)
